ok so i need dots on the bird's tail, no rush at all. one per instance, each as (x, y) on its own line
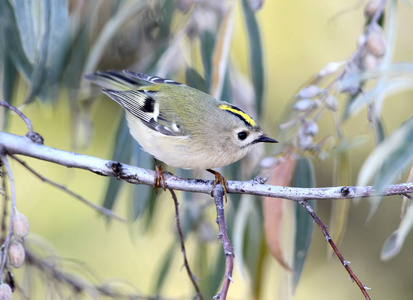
(113, 80)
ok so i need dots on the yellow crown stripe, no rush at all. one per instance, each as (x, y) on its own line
(240, 113)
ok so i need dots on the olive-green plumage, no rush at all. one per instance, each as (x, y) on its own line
(180, 125)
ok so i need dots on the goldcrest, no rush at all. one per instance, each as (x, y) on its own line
(180, 125)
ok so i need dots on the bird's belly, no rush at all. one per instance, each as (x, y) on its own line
(178, 151)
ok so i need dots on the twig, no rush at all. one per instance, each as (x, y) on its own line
(33, 136)
(20, 114)
(226, 243)
(98, 208)
(182, 239)
(6, 243)
(14, 144)
(327, 236)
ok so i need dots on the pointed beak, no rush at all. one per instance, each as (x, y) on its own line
(265, 139)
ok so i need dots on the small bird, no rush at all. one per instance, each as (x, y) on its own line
(180, 125)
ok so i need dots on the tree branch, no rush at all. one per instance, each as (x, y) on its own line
(328, 238)
(14, 144)
(182, 239)
(226, 243)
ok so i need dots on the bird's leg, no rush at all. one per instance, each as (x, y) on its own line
(159, 179)
(219, 178)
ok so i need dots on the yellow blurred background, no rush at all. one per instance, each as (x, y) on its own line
(300, 38)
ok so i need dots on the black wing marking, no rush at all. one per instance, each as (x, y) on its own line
(134, 102)
(142, 106)
(150, 78)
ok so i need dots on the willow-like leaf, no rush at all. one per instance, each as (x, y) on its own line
(340, 208)
(195, 80)
(211, 282)
(58, 46)
(303, 177)
(395, 241)
(379, 129)
(256, 54)
(220, 55)
(10, 39)
(165, 266)
(37, 77)
(240, 226)
(274, 212)
(388, 160)
(166, 14)
(27, 23)
(207, 39)
(122, 153)
(9, 81)
(143, 195)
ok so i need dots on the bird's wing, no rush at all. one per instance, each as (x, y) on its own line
(142, 105)
(140, 101)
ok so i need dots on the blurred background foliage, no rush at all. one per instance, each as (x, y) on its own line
(259, 55)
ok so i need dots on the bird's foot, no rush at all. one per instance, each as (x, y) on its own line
(219, 178)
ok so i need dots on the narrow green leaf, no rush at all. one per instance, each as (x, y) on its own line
(240, 225)
(143, 195)
(389, 158)
(75, 58)
(166, 14)
(303, 177)
(340, 209)
(37, 77)
(195, 80)
(226, 94)
(58, 46)
(9, 79)
(395, 241)
(27, 25)
(164, 269)
(212, 281)
(379, 130)
(207, 39)
(10, 39)
(252, 241)
(256, 54)
(387, 161)
(122, 153)
(220, 55)
(9, 84)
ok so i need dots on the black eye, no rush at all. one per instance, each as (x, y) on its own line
(242, 135)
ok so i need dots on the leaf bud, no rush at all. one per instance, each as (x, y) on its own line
(16, 254)
(375, 44)
(370, 62)
(304, 140)
(330, 68)
(5, 292)
(371, 8)
(310, 127)
(309, 91)
(304, 105)
(331, 103)
(20, 225)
